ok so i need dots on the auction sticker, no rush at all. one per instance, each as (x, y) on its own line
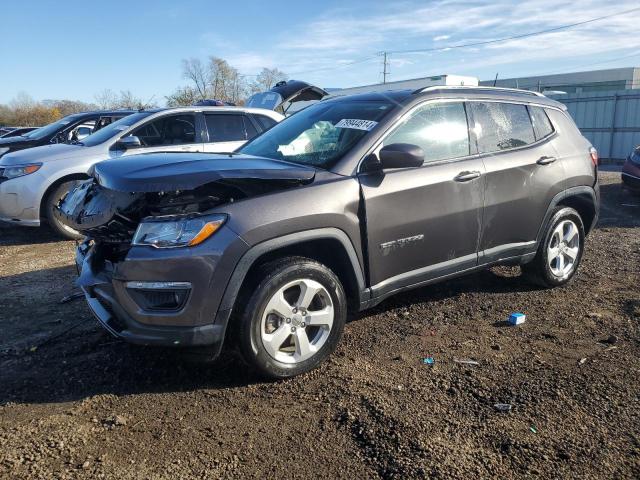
(356, 124)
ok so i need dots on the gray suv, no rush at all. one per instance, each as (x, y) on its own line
(333, 210)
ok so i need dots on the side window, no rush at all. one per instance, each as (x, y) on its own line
(439, 128)
(225, 127)
(169, 130)
(501, 126)
(251, 130)
(541, 125)
(265, 122)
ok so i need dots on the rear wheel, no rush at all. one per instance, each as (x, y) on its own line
(560, 251)
(294, 318)
(50, 202)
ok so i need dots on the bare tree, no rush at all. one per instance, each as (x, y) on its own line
(267, 78)
(194, 70)
(106, 99)
(183, 97)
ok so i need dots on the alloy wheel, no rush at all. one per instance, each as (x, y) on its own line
(297, 321)
(563, 249)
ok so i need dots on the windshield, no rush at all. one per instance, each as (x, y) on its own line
(321, 134)
(113, 129)
(52, 128)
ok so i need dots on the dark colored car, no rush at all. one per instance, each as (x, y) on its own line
(18, 131)
(65, 130)
(334, 209)
(631, 171)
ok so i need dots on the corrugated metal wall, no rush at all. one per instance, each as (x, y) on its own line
(610, 120)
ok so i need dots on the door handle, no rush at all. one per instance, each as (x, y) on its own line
(466, 176)
(546, 160)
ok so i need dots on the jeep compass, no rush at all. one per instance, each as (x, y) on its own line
(334, 209)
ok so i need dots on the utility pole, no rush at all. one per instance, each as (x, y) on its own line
(385, 66)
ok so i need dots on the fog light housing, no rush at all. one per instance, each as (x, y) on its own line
(159, 296)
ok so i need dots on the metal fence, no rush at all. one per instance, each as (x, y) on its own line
(610, 120)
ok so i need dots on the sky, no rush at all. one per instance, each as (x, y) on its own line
(74, 50)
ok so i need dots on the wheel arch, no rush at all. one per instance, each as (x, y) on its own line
(583, 199)
(53, 185)
(329, 246)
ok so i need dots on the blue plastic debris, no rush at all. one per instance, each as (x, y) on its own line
(517, 318)
(428, 360)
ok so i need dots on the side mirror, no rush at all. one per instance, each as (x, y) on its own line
(401, 155)
(129, 142)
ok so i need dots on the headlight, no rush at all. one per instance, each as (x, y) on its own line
(19, 170)
(3, 150)
(635, 156)
(167, 232)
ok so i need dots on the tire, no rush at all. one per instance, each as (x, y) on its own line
(49, 204)
(559, 252)
(274, 342)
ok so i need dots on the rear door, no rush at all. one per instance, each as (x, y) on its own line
(423, 223)
(522, 176)
(227, 131)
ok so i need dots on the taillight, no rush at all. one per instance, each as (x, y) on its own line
(594, 156)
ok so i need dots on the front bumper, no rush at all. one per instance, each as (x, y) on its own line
(198, 322)
(16, 206)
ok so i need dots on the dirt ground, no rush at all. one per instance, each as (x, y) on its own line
(76, 403)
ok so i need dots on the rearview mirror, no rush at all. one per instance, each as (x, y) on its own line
(129, 142)
(401, 155)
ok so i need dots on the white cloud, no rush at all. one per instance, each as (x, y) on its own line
(325, 48)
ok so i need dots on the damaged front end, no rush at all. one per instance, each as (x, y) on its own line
(146, 268)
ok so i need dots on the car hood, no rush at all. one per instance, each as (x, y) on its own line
(11, 141)
(44, 153)
(154, 172)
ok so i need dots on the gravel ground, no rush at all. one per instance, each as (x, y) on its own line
(76, 403)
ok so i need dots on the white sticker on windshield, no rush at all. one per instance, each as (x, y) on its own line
(356, 124)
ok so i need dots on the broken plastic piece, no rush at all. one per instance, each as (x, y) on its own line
(502, 407)
(466, 361)
(428, 360)
(517, 318)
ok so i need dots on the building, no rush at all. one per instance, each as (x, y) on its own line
(575, 82)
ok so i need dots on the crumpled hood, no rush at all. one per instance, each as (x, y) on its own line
(44, 153)
(154, 172)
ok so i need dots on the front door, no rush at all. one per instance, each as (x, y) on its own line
(423, 223)
(169, 133)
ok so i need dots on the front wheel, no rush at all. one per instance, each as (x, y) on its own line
(294, 318)
(560, 250)
(53, 198)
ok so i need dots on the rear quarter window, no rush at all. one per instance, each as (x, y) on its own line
(265, 122)
(541, 125)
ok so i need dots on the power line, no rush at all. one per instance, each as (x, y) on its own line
(514, 37)
(459, 46)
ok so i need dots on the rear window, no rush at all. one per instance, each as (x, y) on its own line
(501, 126)
(541, 125)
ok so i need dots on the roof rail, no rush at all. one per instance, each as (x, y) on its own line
(478, 87)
